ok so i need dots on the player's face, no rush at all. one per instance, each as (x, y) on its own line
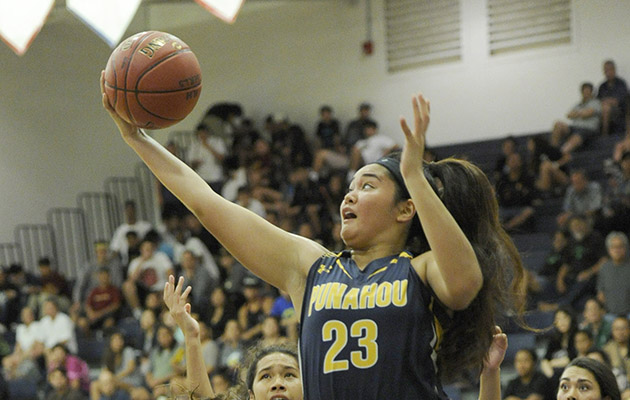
(277, 376)
(368, 207)
(578, 383)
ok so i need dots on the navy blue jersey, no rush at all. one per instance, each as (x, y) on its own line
(368, 334)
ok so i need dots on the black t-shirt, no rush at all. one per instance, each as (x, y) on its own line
(517, 388)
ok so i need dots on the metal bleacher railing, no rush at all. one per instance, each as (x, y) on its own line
(36, 241)
(98, 209)
(10, 253)
(71, 239)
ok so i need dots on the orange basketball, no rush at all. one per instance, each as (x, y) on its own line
(153, 80)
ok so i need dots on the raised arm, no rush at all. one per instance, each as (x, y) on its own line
(490, 378)
(197, 379)
(278, 257)
(451, 268)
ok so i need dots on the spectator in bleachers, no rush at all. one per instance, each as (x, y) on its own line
(621, 147)
(355, 129)
(508, 147)
(549, 165)
(148, 325)
(615, 214)
(557, 257)
(107, 387)
(24, 281)
(516, 196)
(612, 93)
(584, 122)
(198, 278)
(220, 381)
(220, 311)
(88, 275)
(583, 340)
(169, 203)
(133, 250)
(251, 314)
(231, 347)
(327, 131)
(56, 327)
(103, 303)
(119, 243)
(164, 361)
(271, 332)
(195, 229)
(147, 273)
(594, 321)
(582, 197)
(49, 284)
(576, 280)
(622, 382)
(205, 155)
(283, 309)
(245, 199)
(209, 348)
(77, 370)
(613, 284)
(62, 388)
(373, 146)
(530, 383)
(618, 347)
(122, 361)
(9, 300)
(29, 347)
(561, 346)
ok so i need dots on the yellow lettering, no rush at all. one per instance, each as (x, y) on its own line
(321, 298)
(399, 297)
(335, 294)
(351, 300)
(368, 296)
(384, 294)
(314, 293)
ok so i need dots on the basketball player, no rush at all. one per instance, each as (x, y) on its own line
(271, 372)
(369, 315)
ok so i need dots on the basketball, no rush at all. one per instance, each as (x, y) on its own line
(153, 80)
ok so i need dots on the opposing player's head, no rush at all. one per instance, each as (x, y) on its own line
(585, 378)
(273, 371)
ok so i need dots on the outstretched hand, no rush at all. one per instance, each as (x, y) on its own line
(176, 301)
(415, 139)
(126, 129)
(496, 352)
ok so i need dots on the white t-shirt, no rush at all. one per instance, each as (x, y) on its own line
(26, 335)
(119, 238)
(58, 330)
(374, 147)
(210, 168)
(154, 270)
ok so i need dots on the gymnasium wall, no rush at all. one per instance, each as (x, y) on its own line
(288, 56)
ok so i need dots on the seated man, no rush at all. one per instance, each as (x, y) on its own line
(147, 273)
(583, 122)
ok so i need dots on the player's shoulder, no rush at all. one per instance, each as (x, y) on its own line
(421, 262)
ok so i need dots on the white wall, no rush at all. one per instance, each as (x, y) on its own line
(279, 56)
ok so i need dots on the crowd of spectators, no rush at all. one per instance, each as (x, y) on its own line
(296, 181)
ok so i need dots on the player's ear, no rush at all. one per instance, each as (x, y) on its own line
(406, 210)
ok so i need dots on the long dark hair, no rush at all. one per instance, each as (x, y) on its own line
(248, 371)
(603, 374)
(469, 196)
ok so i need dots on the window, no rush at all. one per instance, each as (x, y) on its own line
(523, 24)
(422, 32)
